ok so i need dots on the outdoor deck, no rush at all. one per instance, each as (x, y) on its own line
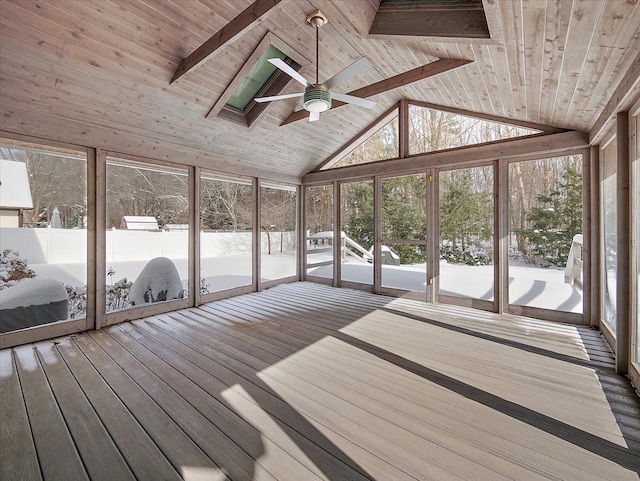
(305, 381)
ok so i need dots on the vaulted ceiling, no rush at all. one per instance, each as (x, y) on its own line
(98, 73)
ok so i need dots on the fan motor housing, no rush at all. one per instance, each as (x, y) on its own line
(317, 99)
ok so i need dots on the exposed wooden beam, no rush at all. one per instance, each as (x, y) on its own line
(230, 31)
(521, 147)
(405, 78)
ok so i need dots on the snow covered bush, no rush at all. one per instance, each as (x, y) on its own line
(13, 268)
(159, 281)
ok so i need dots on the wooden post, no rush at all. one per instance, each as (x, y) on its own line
(257, 236)
(92, 239)
(194, 236)
(301, 234)
(403, 128)
(623, 298)
(432, 243)
(587, 239)
(502, 237)
(596, 241)
(101, 239)
(337, 236)
(377, 234)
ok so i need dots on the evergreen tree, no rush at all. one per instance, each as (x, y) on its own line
(556, 220)
(466, 218)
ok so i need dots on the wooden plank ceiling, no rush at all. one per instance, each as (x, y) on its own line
(98, 73)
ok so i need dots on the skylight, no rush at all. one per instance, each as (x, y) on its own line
(255, 79)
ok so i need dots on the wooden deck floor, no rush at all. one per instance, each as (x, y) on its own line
(305, 381)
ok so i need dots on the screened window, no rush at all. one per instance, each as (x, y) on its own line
(147, 238)
(226, 233)
(431, 130)
(545, 234)
(43, 236)
(319, 230)
(278, 232)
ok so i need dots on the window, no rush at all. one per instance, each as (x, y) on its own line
(545, 234)
(278, 232)
(43, 235)
(319, 230)
(466, 233)
(226, 233)
(608, 169)
(382, 145)
(404, 229)
(357, 232)
(431, 130)
(147, 238)
(257, 78)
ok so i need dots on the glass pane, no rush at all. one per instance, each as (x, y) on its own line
(404, 207)
(255, 79)
(226, 234)
(404, 217)
(319, 230)
(466, 233)
(404, 266)
(545, 233)
(382, 145)
(147, 234)
(43, 236)
(278, 218)
(431, 130)
(357, 232)
(609, 231)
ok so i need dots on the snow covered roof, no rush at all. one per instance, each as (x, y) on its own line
(15, 192)
(139, 222)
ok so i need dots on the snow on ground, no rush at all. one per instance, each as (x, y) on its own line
(528, 285)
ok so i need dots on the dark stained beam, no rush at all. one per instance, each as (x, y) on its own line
(230, 31)
(431, 18)
(405, 78)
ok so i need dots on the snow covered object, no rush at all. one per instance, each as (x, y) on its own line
(158, 281)
(31, 302)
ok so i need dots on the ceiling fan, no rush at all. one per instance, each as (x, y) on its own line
(317, 96)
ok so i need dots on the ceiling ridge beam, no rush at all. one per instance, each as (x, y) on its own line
(233, 29)
(427, 70)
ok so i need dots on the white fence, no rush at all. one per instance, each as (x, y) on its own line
(69, 246)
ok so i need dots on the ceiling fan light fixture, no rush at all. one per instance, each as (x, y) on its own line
(317, 99)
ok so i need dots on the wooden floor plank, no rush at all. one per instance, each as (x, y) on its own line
(178, 448)
(261, 446)
(204, 350)
(86, 427)
(18, 459)
(57, 452)
(334, 368)
(215, 443)
(305, 381)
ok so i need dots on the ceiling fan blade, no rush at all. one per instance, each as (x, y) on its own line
(279, 97)
(282, 65)
(313, 116)
(355, 68)
(350, 99)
